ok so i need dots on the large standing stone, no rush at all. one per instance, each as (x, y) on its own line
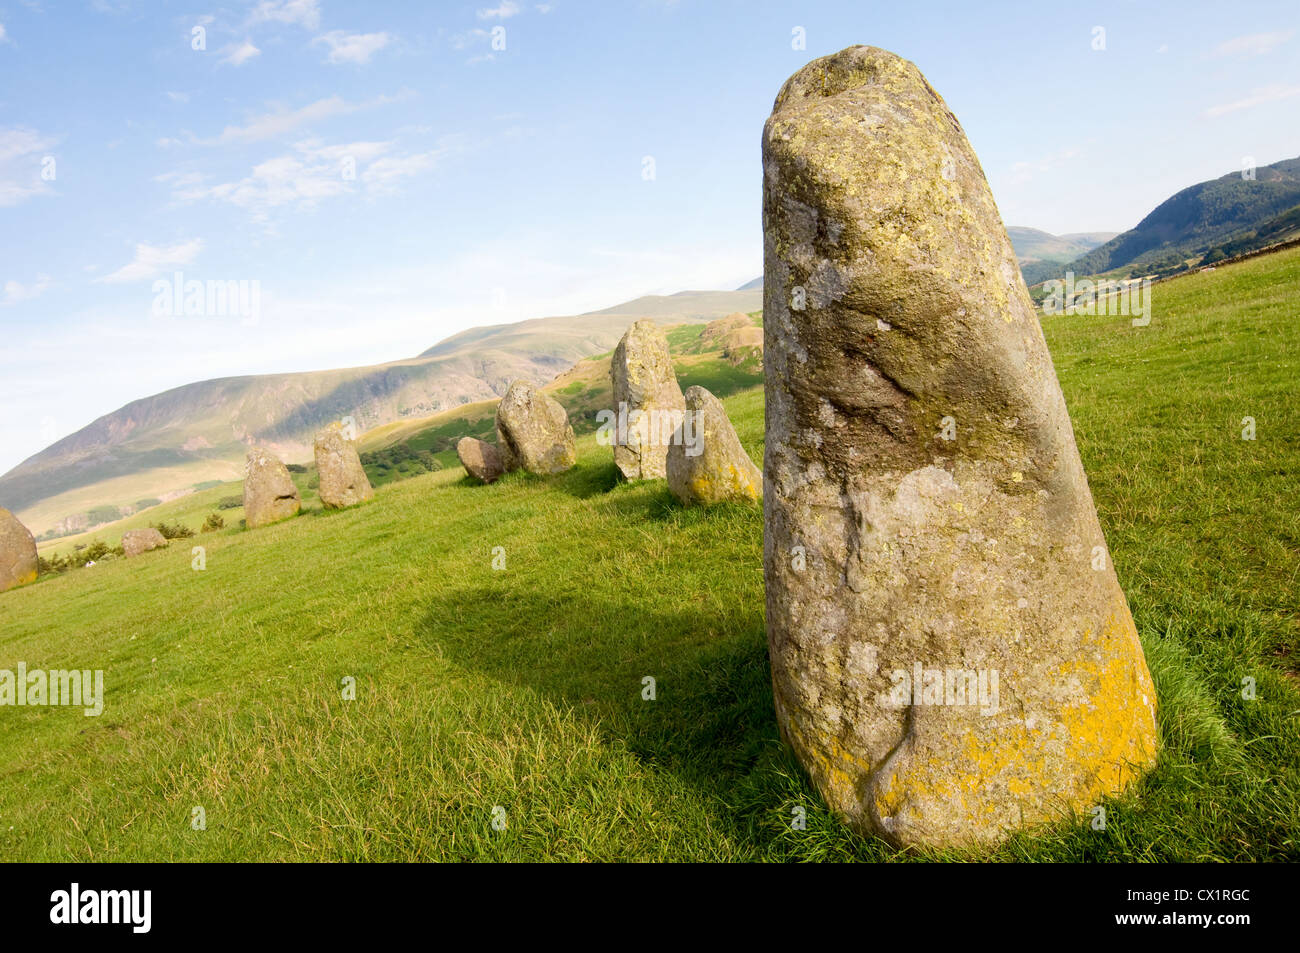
(929, 530)
(647, 400)
(269, 491)
(137, 541)
(481, 460)
(18, 561)
(706, 461)
(534, 431)
(343, 481)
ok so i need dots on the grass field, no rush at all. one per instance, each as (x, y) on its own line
(521, 688)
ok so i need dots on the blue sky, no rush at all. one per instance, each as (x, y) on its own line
(388, 177)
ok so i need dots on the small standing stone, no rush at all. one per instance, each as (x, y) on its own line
(706, 461)
(137, 541)
(647, 400)
(481, 460)
(343, 481)
(18, 561)
(269, 492)
(533, 431)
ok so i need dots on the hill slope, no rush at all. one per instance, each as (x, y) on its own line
(522, 688)
(166, 443)
(1189, 223)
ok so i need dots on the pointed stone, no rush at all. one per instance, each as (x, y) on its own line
(648, 397)
(18, 560)
(927, 515)
(706, 461)
(269, 491)
(343, 481)
(533, 431)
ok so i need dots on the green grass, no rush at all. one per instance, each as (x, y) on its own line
(521, 688)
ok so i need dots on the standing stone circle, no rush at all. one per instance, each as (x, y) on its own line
(706, 461)
(343, 481)
(647, 400)
(18, 561)
(533, 431)
(269, 491)
(137, 541)
(481, 460)
(928, 519)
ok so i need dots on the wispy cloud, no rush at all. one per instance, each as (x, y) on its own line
(305, 13)
(1264, 94)
(149, 260)
(21, 154)
(237, 54)
(310, 174)
(277, 123)
(1253, 44)
(14, 292)
(352, 47)
(505, 11)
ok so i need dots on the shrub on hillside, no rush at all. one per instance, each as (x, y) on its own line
(230, 502)
(213, 523)
(174, 530)
(295, 468)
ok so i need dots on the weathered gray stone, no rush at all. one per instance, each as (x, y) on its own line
(137, 541)
(18, 562)
(706, 461)
(925, 502)
(269, 491)
(647, 400)
(533, 431)
(481, 460)
(343, 481)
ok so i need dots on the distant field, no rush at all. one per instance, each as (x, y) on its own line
(520, 689)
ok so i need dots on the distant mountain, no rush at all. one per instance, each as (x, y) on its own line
(754, 285)
(165, 444)
(1042, 254)
(1183, 229)
(1032, 245)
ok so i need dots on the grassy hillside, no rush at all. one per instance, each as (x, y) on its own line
(521, 688)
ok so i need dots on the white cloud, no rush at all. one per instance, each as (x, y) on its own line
(544, 8)
(22, 154)
(149, 260)
(237, 54)
(302, 12)
(1253, 44)
(460, 41)
(273, 124)
(178, 97)
(13, 292)
(1264, 94)
(505, 11)
(2, 32)
(312, 173)
(382, 175)
(353, 47)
